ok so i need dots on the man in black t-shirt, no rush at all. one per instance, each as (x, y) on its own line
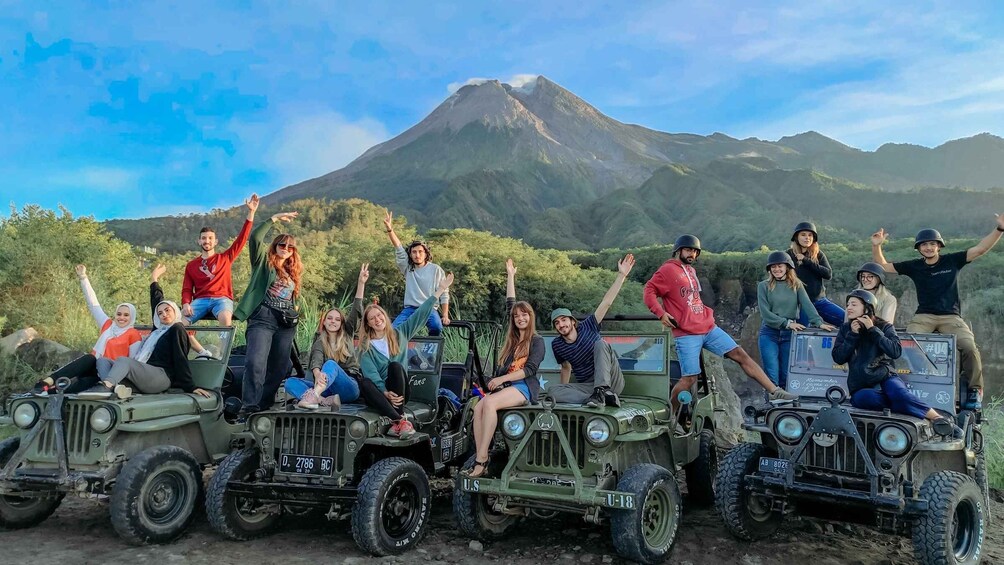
(936, 278)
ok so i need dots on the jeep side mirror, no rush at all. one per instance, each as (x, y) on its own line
(684, 397)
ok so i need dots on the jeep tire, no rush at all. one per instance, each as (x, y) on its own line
(155, 495)
(23, 512)
(703, 471)
(392, 507)
(951, 532)
(232, 516)
(647, 532)
(474, 512)
(747, 516)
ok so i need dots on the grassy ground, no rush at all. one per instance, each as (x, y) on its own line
(993, 433)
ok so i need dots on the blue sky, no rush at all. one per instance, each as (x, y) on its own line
(178, 107)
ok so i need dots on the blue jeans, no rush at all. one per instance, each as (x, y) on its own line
(434, 323)
(775, 348)
(893, 395)
(203, 306)
(828, 311)
(339, 382)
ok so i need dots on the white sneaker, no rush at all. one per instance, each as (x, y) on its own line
(122, 392)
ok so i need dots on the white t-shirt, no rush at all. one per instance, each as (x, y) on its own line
(381, 346)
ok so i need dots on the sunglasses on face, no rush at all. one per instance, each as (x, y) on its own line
(289, 246)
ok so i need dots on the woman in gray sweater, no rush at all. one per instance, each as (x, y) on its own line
(782, 297)
(333, 358)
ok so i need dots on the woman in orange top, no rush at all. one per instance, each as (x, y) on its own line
(118, 338)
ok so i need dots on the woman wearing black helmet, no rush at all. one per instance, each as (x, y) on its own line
(871, 277)
(781, 296)
(869, 345)
(812, 269)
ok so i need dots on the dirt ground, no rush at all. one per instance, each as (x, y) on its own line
(80, 532)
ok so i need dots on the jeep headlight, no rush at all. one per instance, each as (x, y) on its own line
(598, 431)
(892, 440)
(514, 425)
(789, 428)
(262, 426)
(25, 415)
(357, 429)
(102, 419)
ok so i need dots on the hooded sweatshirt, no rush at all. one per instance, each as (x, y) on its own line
(675, 285)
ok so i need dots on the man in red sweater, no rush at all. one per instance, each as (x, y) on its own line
(208, 285)
(673, 294)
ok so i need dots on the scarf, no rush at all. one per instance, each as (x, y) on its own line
(114, 330)
(161, 328)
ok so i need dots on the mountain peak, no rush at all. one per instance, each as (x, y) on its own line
(812, 142)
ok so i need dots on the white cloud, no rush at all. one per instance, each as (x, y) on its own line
(311, 145)
(97, 179)
(525, 81)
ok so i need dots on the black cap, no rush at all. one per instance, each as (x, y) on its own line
(873, 268)
(864, 296)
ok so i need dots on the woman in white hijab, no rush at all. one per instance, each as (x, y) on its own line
(162, 361)
(118, 338)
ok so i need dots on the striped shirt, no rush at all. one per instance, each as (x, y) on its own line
(579, 353)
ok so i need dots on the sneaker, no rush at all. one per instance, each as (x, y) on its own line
(597, 399)
(406, 429)
(334, 402)
(781, 394)
(204, 354)
(122, 391)
(100, 390)
(41, 386)
(309, 401)
(611, 398)
(974, 400)
(395, 429)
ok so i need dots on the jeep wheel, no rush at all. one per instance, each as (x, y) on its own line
(392, 507)
(703, 471)
(646, 533)
(747, 516)
(952, 530)
(155, 495)
(18, 512)
(475, 514)
(233, 516)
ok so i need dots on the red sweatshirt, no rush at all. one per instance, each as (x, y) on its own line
(213, 280)
(675, 285)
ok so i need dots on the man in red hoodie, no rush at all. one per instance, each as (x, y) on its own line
(208, 286)
(673, 294)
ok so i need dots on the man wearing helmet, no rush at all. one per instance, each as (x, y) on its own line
(673, 294)
(936, 278)
(421, 279)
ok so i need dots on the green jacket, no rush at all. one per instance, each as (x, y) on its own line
(262, 276)
(374, 364)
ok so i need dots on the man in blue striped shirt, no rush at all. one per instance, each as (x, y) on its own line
(581, 351)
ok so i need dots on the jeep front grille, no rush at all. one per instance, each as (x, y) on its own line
(313, 435)
(843, 456)
(544, 451)
(76, 426)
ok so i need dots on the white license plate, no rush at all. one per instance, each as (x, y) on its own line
(305, 465)
(773, 466)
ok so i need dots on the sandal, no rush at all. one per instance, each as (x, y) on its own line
(482, 465)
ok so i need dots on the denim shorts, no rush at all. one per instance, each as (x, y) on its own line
(688, 349)
(203, 306)
(521, 386)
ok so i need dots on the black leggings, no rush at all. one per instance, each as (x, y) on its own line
(397, 382)
(82, 372)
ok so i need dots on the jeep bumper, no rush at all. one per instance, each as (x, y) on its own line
(26, 482)
(292, 492)
(775, 488)
(550, 492)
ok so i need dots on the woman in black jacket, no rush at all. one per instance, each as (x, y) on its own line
(515, 381)
(869, 345)
(812, 269)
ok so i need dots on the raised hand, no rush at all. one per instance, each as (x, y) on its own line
(159, 270)
(624, 265)
(388, 221)
(285, 216)
(81, 271)
(364, 273)
(252, 203)
(510, 268)
(880, 237)
(1000, 221)
(446, 282)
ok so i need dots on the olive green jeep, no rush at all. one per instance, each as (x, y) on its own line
(343, 464)
(616, 465)
(820, 456)
(145, 452)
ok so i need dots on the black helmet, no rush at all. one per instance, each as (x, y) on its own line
(873, 268)
(864, 296)
(805, 226)
(687, 240)
(928, 234)
(778, 257)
